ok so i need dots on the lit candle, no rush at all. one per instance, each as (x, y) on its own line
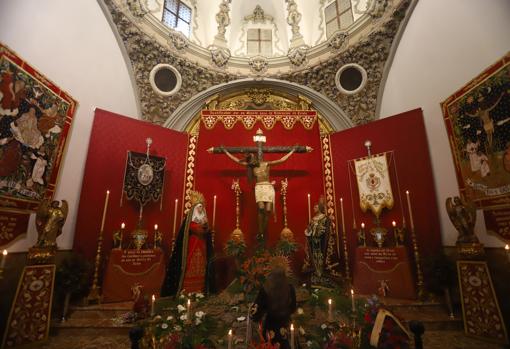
(152, 304)
(394, 224)
(342, 211)
(155, 227)
(309, 209)
(175, 218)
(352, 301)
(362, 226)
(214, 213)
(122, 226)
(411, 221)
(292, 336)
(230, 339)
(330, 310)
(507, 249)
(4, 257)
(188, 306)
(105, 209)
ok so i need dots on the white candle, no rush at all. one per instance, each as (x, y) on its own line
(352, 301)
(152, 304)
(507, 249)
(105, 209)
(188, 306)
(330, 310)
(292, 336)
(230, 339)
(342, 211)
(155, 227)
(4, 257)
(362, 226)
(214, 212)
(411, 221)
(175, 217)
(394, 224)
(122, 226)
(309, 210)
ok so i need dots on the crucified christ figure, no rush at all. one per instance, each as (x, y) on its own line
(258, 168)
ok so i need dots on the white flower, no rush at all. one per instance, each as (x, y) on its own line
(309, 343)
(182, 296)
(169, 318)
(177, 328)
(157, 317)
(184, 317)
(199, 314)
(200, 295)
(316, 290)
(241, 318)
(324, 326)
(181, 308)
(304, 285)
(198, 321)
(164, 326)
(300, 311)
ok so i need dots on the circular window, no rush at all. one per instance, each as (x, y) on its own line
(165, 80)
(351, 78)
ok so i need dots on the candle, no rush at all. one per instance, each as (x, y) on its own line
(105, 209)
(155, 227)
(411, 221)
(152, 304)
(292, 336)
(507, 249)
(362, 226)
(230, 339)
(394, 224)
(342, 211)
(4, 257)
(330, 310)
(309, 209)
(214, 213)
(352, 301)
(188, 307)
(175, 217)
(122, 226)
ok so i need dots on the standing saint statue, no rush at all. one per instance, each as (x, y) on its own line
(258, 168)
(50, 219)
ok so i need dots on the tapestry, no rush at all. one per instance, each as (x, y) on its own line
(30, 316)
(144, 177)
(481, 313)
(477, 119)
(12, 225)
(374, 185)
(35, 117)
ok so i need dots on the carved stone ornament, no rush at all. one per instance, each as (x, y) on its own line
(220, 56)
(259, 96)
(258, 64)
(136, 8)
(293, 18)
(223, 18)
(378, 8)
(258, 15)
(179, 40)
(297, 56)
(338, 41)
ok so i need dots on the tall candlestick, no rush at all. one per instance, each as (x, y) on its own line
(105, 209)
(175, 218)
(230, 339)
(330, 310)
(152, 305)
(4, 257)
(342, 211)
(214, 212)
(411, 221)
(292, 336)
(352, 301)
(309, 210)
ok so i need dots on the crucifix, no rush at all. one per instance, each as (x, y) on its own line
(258, 168)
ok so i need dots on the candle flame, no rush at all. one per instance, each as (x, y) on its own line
(308, 195)
(292, 327)
(4, 252)
(506, 248)
(341, 199)
(122, 226)
(176, 200)
(189, 302)
(230, 332)
(330, 301)
(215, 196)
(155, 227)
(107, 192)
(407, 192)
(153, 298)
(352, 292)
(394, 223)
(362, 225)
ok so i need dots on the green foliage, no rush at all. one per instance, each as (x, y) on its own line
(73, 275)
(286, 247)
(235, 248)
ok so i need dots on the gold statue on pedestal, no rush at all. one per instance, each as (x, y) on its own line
(463, 216)
(50, 219)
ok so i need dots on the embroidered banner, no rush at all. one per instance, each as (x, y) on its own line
(35, 117)
(12, 225)
(374, 185)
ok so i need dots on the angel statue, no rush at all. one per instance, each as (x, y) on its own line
(463, 216)
(50, 219)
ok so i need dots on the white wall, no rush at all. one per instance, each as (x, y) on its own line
(445, 45)
(72, 44)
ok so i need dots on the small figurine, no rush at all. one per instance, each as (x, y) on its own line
(384, 288)
(463, 216)
(158, 239)
(361, 236)
(400, 236)
(117, 239)
(50, 219)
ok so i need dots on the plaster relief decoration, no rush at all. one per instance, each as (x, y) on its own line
(178, 40)
(258, 64)
(297, 55)
(377, 7)
(223, 21)
(220, 56)
(136, 8)
(338, 41)
(321, 27)
(293, 19)
(258, 19)
(478, 123)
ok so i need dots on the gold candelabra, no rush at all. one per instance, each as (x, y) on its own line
(95, 294)
(237, 234)
(286, 233)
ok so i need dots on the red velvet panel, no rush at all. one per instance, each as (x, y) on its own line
(405, 135)
(215, 172)
(112, 136)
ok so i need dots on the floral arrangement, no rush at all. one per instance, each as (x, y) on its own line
(254, 270)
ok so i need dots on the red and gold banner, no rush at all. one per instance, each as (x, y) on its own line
(29, 319)
(35, 118)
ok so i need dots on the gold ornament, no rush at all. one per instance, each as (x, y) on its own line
(50, 219)
(196, 197)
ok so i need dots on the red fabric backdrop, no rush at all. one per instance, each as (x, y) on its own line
(405, 135)
(112, 136)
(215, 172)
